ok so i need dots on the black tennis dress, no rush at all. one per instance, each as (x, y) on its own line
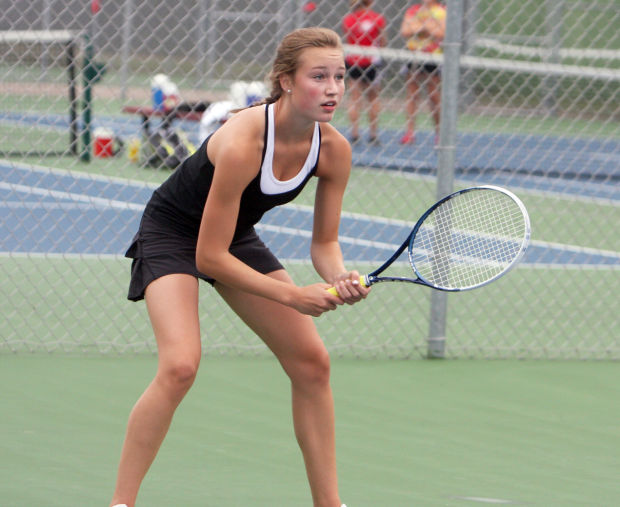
(166, 239)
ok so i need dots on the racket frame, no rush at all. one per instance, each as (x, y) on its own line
(372, 278)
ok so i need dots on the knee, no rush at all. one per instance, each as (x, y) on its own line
(311, 371)
(177, 377)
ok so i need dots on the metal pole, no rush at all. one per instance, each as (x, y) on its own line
(211, 30)
(201, 36)
(73, 101)
(298, 13)
(128, 10)
(47, 25)
(446, 155)
(470, 30)
(555, 11)
(89, 73)
(87, 98)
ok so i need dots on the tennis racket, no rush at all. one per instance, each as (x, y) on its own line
(466, 240)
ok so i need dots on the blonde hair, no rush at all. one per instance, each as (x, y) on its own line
(287, 56)
(356, 4)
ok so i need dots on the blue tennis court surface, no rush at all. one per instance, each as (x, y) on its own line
(580, 166)
(48, 211)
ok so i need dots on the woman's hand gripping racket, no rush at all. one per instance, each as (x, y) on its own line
(464, 241)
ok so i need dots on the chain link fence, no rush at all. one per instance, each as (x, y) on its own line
(530, 101)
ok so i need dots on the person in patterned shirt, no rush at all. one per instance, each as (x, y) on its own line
(423, 26)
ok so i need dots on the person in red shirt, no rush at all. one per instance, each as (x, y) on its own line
(423, 27)
(363, 27)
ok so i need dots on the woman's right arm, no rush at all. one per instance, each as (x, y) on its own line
(236, 156)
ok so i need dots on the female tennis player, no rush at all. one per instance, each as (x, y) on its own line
(199, 225)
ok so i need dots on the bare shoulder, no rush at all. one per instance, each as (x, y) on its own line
(240, 139)
(335, 154)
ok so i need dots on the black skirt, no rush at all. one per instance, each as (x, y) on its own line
(157, 251)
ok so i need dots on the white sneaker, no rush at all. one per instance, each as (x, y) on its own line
(120, 505)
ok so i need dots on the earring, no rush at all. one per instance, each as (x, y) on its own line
(288, 91)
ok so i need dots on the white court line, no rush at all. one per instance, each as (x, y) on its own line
(558, 194)
(480, 499)
(342, 239)
(125, 205)
(391, 246)
(71, 196)
(79, 175)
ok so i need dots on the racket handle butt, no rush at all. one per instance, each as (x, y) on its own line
(333, 291)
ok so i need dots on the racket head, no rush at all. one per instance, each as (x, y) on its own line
(469, 238)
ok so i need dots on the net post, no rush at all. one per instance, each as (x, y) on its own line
(446, 156)
(87, 99)
(127, 31)
(73, 105)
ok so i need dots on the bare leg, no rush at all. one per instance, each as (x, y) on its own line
(355, 100)
(294, 340)
(172, 302)
(433, 85)
(413, 91)
(372, 93)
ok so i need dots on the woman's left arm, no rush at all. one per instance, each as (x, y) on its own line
(333, 173)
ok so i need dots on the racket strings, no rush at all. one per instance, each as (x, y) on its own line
(469, 240)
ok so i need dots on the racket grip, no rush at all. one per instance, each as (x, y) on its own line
(332, 290)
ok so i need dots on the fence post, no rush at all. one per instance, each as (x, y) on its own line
(446, 156)
(470, 32)
(128, 13)
(553, 42)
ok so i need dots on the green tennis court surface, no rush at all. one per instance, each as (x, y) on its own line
(410, 433)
